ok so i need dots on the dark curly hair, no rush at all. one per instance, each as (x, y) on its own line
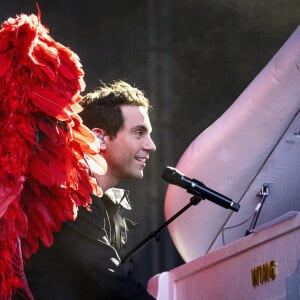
(102, 107)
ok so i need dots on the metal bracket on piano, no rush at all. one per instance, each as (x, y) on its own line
(264, 193)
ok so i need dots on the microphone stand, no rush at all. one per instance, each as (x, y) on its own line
(193, 201)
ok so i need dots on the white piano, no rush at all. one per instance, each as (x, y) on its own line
(263, 265)
(251, 152)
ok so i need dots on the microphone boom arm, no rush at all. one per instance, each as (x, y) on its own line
(193, 201)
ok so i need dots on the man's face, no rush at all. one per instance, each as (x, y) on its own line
(127, 153)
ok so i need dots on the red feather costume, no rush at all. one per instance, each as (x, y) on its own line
(45, 150)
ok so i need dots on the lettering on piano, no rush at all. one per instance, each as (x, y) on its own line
(264, 273)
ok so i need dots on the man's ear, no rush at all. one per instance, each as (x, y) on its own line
(100, 134)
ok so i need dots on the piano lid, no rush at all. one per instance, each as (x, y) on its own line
(256, 141)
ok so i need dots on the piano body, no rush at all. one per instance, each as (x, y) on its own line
(262, 265)
(252, 155)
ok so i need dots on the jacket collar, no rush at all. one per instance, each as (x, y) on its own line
(119, 196)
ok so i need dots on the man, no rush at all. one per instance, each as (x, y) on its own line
(118, 115)
(84, 261)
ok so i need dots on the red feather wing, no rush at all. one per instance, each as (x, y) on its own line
(45, 150)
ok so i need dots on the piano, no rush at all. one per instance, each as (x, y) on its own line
(263, 265)
(252, 155)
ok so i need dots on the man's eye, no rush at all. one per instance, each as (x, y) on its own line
(139, 133)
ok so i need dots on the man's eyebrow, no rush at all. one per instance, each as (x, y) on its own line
(140, 127)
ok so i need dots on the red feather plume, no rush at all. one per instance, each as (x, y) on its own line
(45, 149)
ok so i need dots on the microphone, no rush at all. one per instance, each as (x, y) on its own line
(197, 188)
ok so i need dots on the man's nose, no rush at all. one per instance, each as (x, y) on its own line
(149, 145)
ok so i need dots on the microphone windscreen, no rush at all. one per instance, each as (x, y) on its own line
(168, 174)
(173, 176)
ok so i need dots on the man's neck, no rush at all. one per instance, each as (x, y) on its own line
(106, 181)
